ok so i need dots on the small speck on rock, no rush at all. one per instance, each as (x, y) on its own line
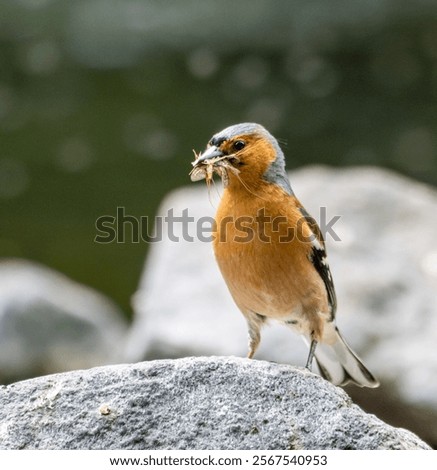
(104, 409)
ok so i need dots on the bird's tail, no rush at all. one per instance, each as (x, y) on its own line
(340, 365)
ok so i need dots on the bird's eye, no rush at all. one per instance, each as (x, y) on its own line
(239, 144)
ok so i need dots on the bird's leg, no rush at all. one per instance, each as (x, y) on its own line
(254, 322)
(311, 354)
(254, 339)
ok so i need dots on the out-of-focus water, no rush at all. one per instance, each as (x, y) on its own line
(102, 102)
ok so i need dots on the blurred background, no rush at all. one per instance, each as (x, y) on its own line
(102, 102)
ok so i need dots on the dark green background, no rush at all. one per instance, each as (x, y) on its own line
(102, 102)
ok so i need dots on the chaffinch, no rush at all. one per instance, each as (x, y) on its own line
(271, 252)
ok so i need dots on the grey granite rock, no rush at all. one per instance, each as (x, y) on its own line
(385, 272)
(192, 403)
(48, 323)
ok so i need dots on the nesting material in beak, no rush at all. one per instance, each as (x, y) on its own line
(210, 162)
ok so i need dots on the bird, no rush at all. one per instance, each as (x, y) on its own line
(271, 252)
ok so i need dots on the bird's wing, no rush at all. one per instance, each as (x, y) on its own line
(319, 259)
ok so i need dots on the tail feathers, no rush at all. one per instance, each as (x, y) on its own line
(340, 365)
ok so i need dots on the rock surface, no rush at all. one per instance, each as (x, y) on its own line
(192, 403)
(385, 272)
(49, 323)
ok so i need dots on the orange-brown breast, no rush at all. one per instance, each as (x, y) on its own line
(263, 258)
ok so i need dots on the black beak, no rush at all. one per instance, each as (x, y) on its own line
(210, 152)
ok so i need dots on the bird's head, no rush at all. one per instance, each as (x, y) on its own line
(250, 154)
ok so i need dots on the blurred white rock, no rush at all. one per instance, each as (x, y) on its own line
(384, 268)
(49, 323)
